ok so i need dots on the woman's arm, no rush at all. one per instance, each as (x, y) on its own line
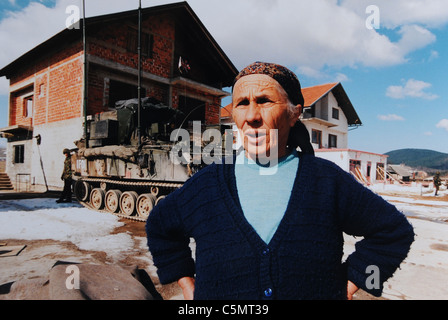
(168, 243)
(387, 235)
(187, 285)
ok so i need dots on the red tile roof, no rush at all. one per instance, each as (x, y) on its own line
(226, 112)
(313, 94)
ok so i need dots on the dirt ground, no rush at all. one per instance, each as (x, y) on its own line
(39, 256)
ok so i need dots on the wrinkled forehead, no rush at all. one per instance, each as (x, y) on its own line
(257, 84)
(285, 77)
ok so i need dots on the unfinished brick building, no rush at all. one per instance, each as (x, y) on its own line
(48, 98)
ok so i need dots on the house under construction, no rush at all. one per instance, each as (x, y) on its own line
(59, 85)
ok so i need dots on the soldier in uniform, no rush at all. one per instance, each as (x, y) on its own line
(66, 195)
(437, 182)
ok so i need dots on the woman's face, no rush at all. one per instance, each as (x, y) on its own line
(260, 109)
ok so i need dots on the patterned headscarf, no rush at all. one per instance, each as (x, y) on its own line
(285, 77)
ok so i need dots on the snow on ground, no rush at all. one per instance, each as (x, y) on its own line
(424, 273)
(39, 219)
(416, 188)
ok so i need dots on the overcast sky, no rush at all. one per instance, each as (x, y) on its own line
(393, 72)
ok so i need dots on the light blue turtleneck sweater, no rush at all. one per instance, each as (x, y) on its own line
(264, 192)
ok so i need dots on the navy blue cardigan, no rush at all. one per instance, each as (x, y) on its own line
(303, 259)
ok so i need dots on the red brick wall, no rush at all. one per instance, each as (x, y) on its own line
(56, 81)
(66, 91)
(16, 115)
(96, 94)
(57, 78)
(40, 99)
(212, 112)
(110, 43)
(212, 109)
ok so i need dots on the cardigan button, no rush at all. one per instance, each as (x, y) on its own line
(266, 252)
(268, 292)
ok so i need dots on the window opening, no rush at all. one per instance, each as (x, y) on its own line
(332, 141)
(19, 153)
(122, 91)
(317, 137)
(28, 107)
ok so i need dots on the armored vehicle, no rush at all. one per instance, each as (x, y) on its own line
(126, 172)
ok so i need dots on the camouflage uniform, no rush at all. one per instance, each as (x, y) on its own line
(437, 182)
(67, 172)
(66, 195)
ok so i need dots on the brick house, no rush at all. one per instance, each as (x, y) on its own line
(328, 115)
(48, 97)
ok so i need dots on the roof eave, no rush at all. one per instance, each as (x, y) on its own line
(347, 106)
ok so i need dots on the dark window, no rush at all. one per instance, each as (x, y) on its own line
(332, 141)
(309, 112)
(380, 174)
(122, 91)
(369, 168)
(194, 110)
(147, 42)
(335, 113)
(355, 164)
(19, 153)
(317, 137)
(28, 107)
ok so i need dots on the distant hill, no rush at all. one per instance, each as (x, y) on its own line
(419, 158)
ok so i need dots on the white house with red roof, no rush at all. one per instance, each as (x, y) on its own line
(328, 114)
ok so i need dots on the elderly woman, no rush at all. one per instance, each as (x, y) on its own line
(277, 235)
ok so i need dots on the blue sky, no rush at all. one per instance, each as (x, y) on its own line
(395, 76)
(9, 6)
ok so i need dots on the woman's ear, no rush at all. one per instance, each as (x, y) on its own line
(299, 110)
(297, 113)
(229, 109)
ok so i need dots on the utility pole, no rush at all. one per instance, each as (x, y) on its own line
(84, 40)
(139, 72)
